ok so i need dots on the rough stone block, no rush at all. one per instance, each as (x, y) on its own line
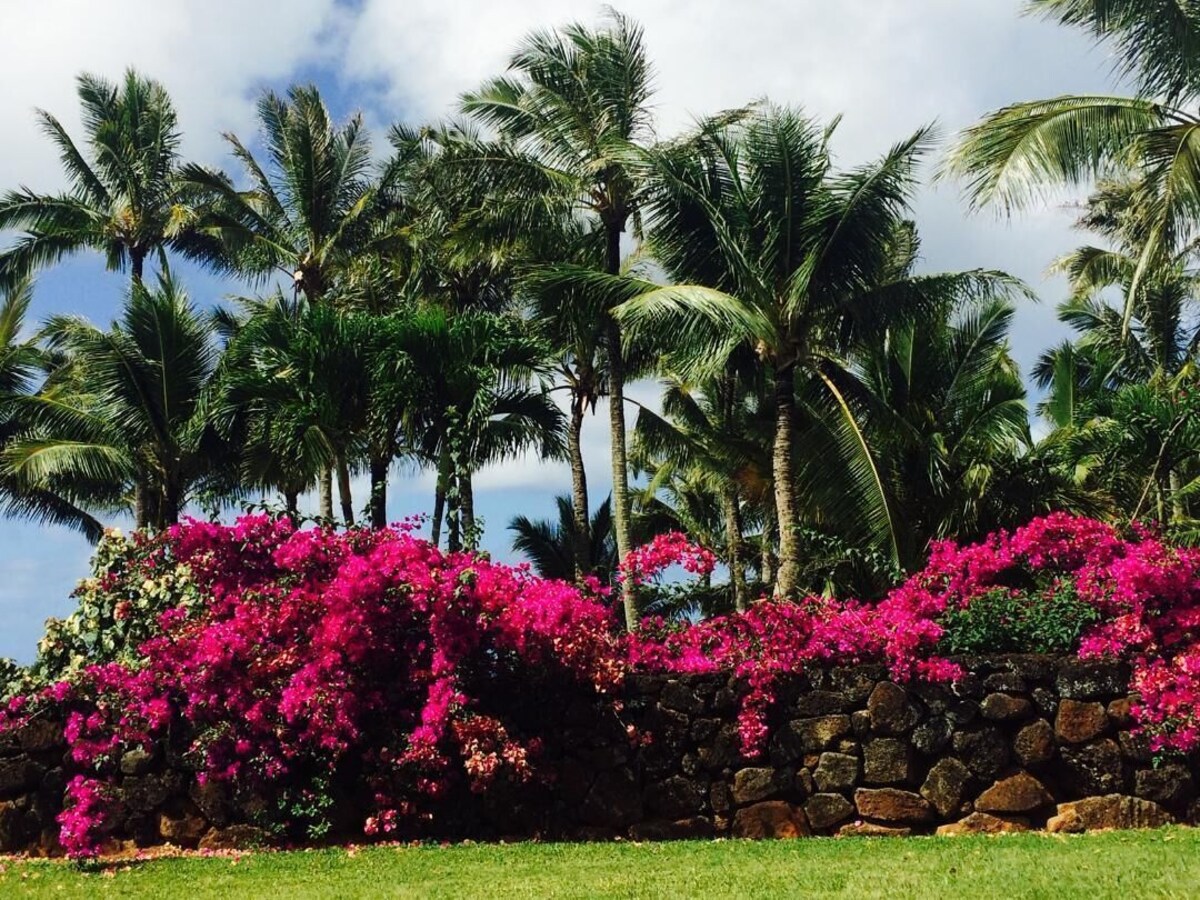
(945, 786)
(1019, 793)
(1078, 721)
(892, 711)
(826, 810)
(836, 772)
(892, 805)
(770, 819)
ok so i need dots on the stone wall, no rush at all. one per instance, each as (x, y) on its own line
(1023, 742)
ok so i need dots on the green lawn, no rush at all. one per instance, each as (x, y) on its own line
(1127, 865)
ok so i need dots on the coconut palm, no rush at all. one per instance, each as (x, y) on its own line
(117, 418)
(550, 546)
(571, 117)
(775, 250)
(311, 206)
(125, 198)
(292, 393)
(1019, 154)
(21, 363)
(945, 408)
(707, 446)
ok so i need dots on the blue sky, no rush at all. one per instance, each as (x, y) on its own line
(889, 66)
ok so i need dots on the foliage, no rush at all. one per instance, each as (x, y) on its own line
(1004, 620)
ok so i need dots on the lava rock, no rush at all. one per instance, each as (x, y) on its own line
(770, 819)
(932, 735)
(1093, 769)
(808, 736)
(1107, 812)
(983, 823)
(985, 752)
(892, 712)
(886, 761)
(1091, 680)
(676, 797)
(945, 786)
(1005, 707)
(836, 772)
(1018, 793)
(892, 805)
(1078, 721)
(826, 810)
(752, 785)
(1171, 785)
(1035, 744)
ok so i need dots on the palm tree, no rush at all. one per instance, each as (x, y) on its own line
(550, 546)
(706, 445)
(478, 396)
(293, 392)
(945, 406)
(125, 199)
(572, 118)
(117, 418)
(1018, 154)
(21, 361)
(775, 250)
(310, 208)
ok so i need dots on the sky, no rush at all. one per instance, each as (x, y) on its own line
(887, 66)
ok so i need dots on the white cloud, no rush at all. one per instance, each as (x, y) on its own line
(213, 57)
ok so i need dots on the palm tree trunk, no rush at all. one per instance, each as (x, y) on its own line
(169, 513)
(141, 504)
(783, 471)
(734, 547)
(439, 498)
(379, 475)
(466, 493)
(343, 477)
(291, 505)
(137, 260)
(766, 566)
(325, 488)
(579, 491)
(621, 503)
(1178, 511)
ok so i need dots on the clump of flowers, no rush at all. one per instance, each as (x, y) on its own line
(663, 551)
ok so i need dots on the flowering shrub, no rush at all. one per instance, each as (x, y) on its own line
(315, 651)
(669, 549)
(316, 647)
(134, 579)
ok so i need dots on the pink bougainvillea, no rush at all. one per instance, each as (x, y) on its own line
(666, 550)
(311, 648)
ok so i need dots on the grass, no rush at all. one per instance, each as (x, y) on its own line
(1163, 863)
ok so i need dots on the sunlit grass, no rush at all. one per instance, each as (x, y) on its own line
(1163, 863)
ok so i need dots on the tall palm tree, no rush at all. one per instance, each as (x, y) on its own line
(311, 205)
(1019, 154)
(125, 198)
(21, 362)
(774, 249)
(572, 117)
(118, 415)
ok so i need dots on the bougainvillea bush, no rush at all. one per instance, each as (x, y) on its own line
(279, 657)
